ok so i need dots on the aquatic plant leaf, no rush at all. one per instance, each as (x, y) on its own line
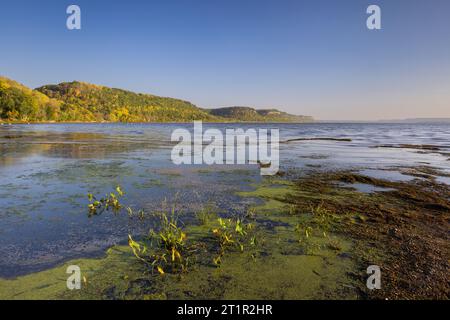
(119, 191)
(160, 270)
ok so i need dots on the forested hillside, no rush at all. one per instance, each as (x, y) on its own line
(255, 115)
(111, 104)
(19, 103)
(80, 101)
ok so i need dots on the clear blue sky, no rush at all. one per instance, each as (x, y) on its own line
(312, 57)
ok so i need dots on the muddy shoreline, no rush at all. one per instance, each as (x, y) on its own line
(404, 230)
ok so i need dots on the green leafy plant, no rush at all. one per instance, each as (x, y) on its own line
(164, 248)
(233, 234)
(305, 233)
(322, 218)
(106, 203)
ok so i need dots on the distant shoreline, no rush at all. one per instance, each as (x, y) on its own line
(444, 121)
(394, 121)
(144, 122)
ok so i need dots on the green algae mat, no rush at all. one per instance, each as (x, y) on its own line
(308, 238)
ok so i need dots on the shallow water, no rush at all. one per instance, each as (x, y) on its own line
(47, 170)
(365, 188)
(390, 175)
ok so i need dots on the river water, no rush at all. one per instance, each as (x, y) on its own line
(46, 171)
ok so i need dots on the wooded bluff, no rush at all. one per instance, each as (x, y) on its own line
(84, 102)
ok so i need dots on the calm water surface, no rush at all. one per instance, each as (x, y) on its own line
(47, 170)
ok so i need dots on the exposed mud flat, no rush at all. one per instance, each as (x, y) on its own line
(404, 231)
